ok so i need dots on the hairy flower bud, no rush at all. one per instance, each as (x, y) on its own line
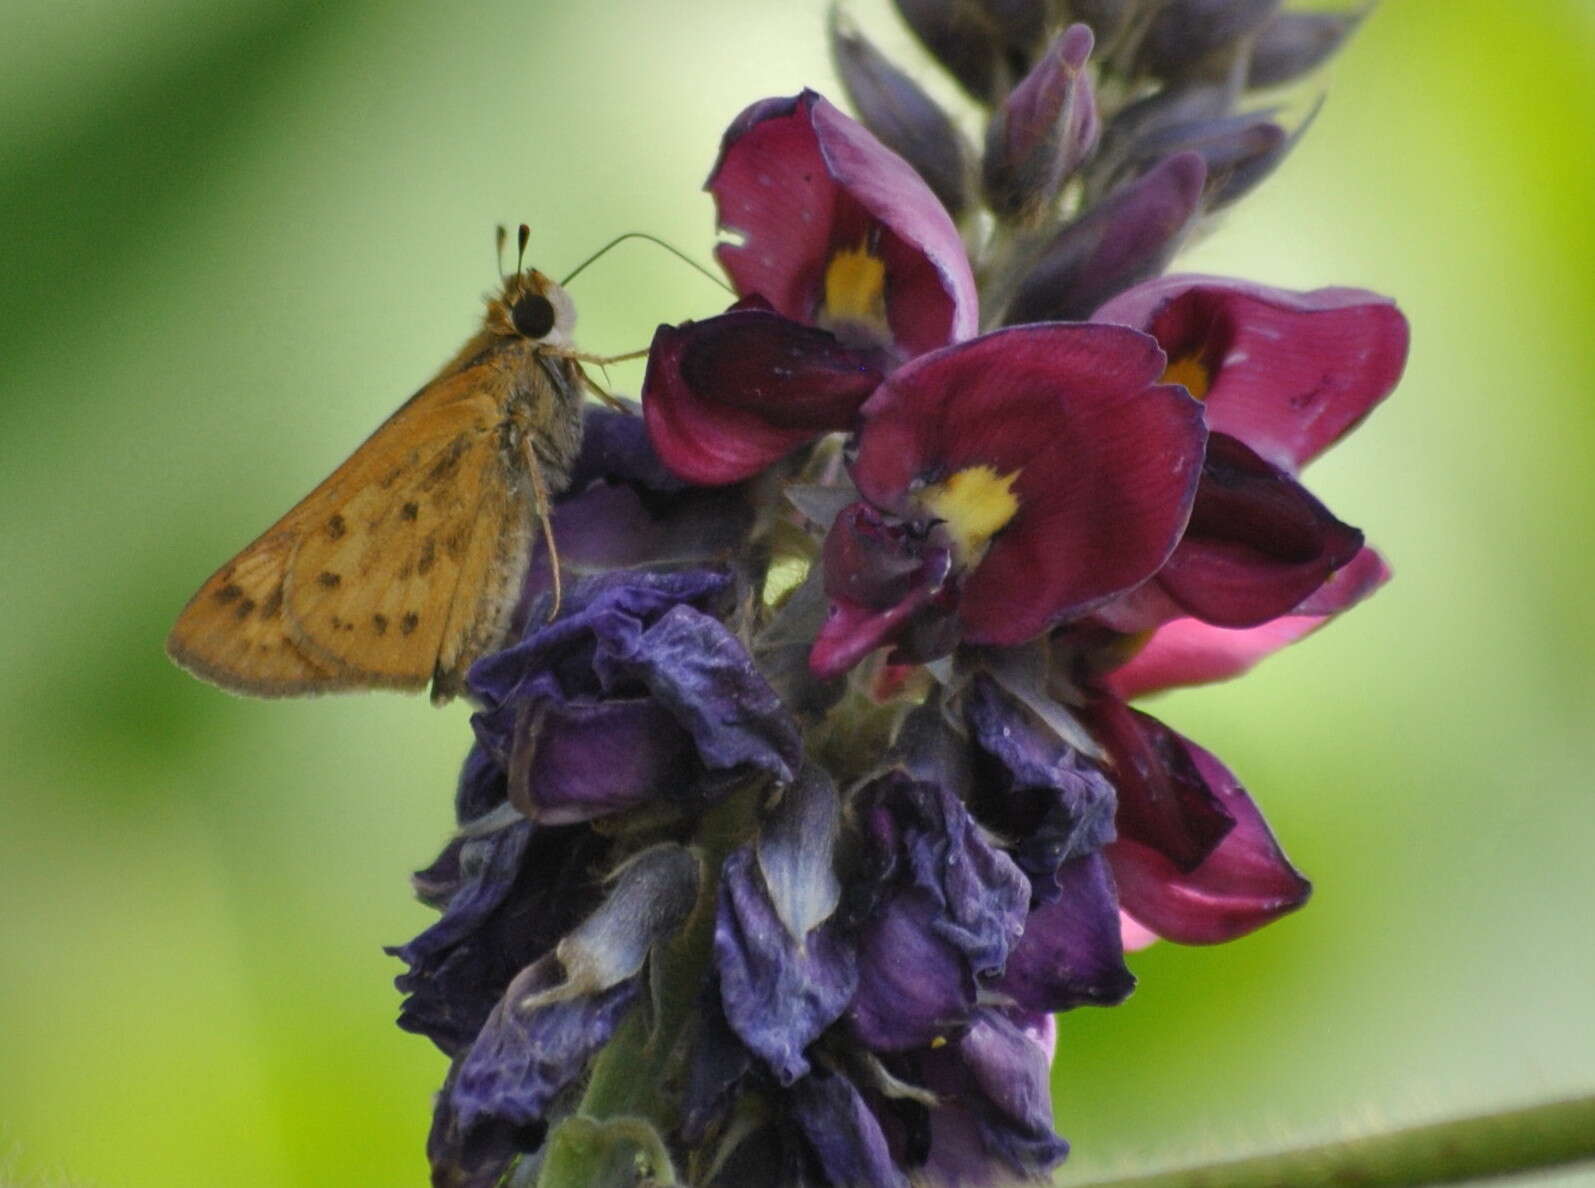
(1297, 43)
(1042, 131)
(901, 114)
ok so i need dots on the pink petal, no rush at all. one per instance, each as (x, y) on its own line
(1245, 883)
(1190, 652)
(798, 180)
(1291, 373)
(1133, 936)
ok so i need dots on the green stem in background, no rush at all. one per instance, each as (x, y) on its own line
(1479, 1148)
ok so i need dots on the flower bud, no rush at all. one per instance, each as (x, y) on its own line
(1130, 235)
(901, 114)
(1295, 43)
(1045, 127)
(1186, 32)
(986, 45)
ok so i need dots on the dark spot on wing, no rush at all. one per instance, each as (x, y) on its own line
(454, 544)
(230, 592)
(244, 608)
(448, 463)
(429, 556)
(273, 604)
(380, 622)
(329, 579)
(409, 511)
(336, 527)
(407, 624)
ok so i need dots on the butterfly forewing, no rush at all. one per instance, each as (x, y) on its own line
(404, 565)
(357, 585)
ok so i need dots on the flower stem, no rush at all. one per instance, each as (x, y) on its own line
(1477, 1148)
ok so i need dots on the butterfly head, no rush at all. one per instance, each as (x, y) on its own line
(535, 308)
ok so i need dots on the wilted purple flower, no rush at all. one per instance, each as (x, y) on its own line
(636, 693)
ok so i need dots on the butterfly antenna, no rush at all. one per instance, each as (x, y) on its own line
(620, 239)
(502, 237)
(522, 238)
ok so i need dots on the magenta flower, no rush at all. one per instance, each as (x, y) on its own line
(1008, 482)
(847, 265)
(1282, 376)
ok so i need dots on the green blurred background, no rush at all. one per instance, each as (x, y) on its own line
(237, 234)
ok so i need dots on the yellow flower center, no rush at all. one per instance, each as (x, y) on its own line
(855, 290)
(1190, 371)
(975, 504)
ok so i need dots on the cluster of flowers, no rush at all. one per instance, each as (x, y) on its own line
(788, 836)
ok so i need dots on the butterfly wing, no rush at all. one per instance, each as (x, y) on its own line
(233, 633)
(383, 571)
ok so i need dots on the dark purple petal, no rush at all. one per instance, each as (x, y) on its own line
(799, 181)
(610, 605)
(1258, 543)
(914, 985)
(779, 991)
(1295, 43)
(477, 1158)
(1287, 373)
(995, 1120)
(907, 121)
(616, 449)
(1071, 954)
(1045, 127)
(624, 509)
(482, 786)
(518, 889)
(1191, 652)
(698, 671)
(843, 1133)
(1184, 32)
(633, 664)
(1106, 463)
(947, 908)
(1036, 788)
(1244, 883)
(574, 761)
(725, 397)
(1165, 802)
(554, 1017)
(523, 1059)
(1130, 235)
(617, 526)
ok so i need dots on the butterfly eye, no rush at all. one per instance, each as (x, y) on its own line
(533, 315)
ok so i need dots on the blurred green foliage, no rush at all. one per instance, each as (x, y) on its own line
(238, 234)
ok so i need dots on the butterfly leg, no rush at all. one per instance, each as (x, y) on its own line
(604, 394)
(584, 357)
(540, 498)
